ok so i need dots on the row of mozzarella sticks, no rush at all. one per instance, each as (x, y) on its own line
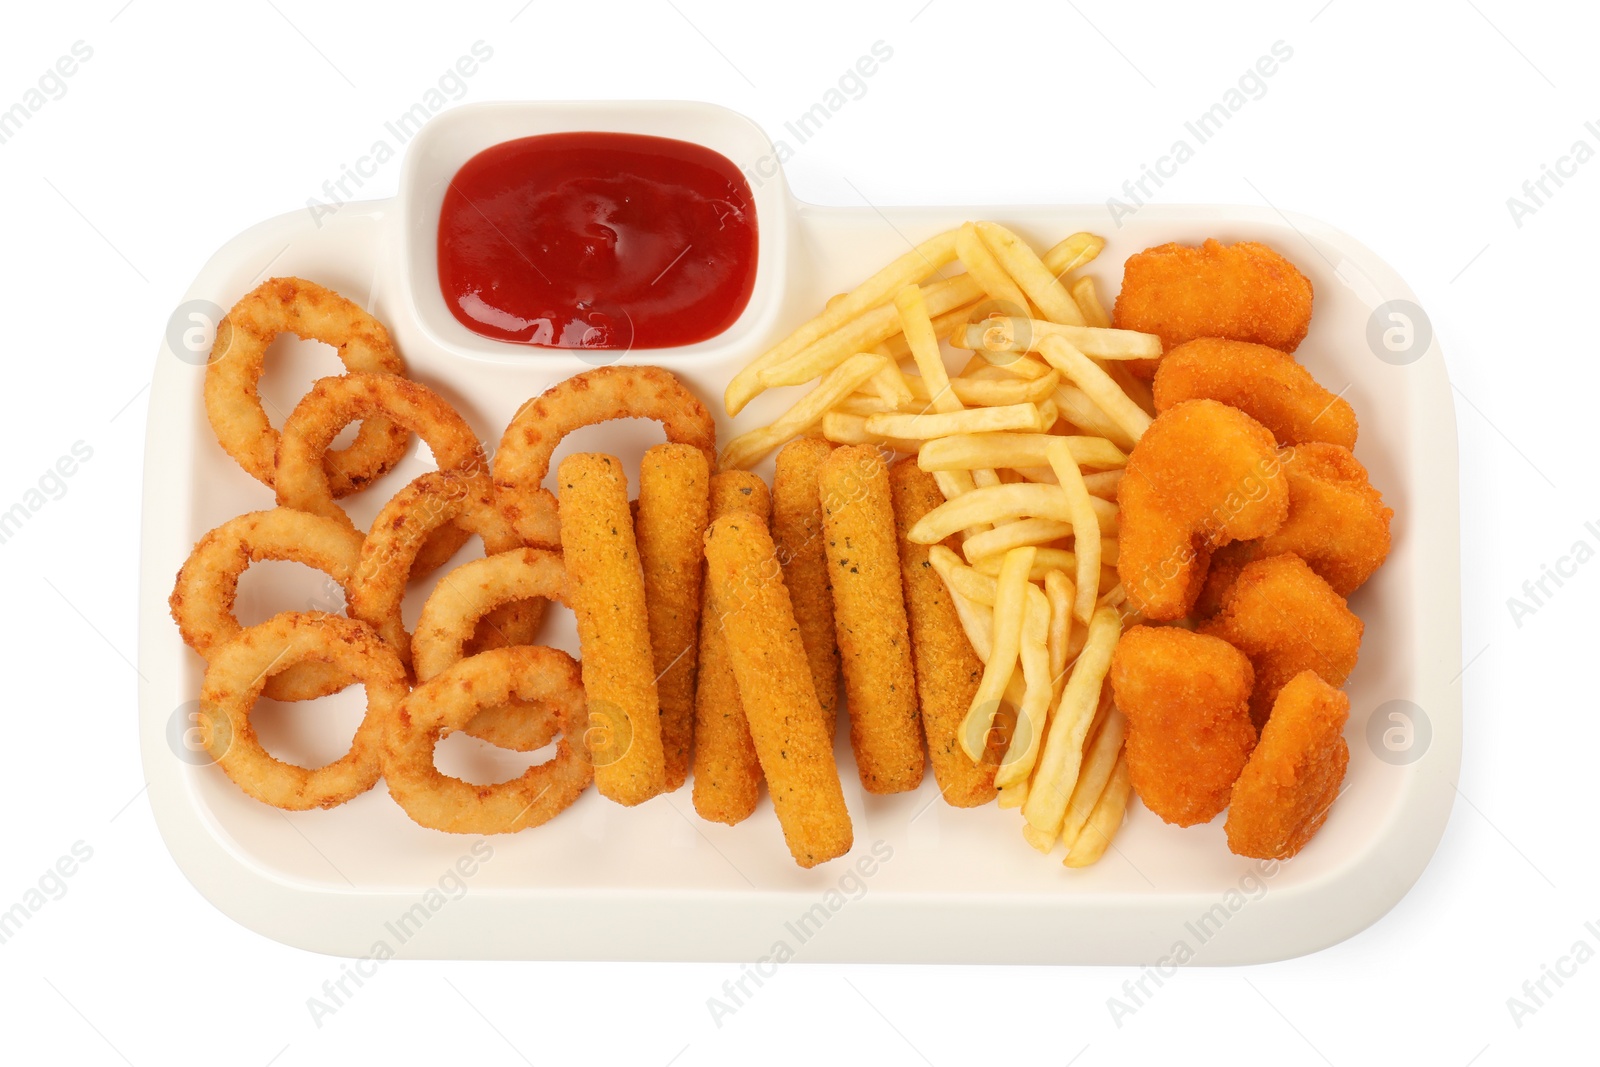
(800, 584)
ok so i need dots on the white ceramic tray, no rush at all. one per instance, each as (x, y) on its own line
(925, 882)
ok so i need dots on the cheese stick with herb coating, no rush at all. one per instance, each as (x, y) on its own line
(769, 661)
(803, 551)
(605, 586)
(727, 774)
(869, 615)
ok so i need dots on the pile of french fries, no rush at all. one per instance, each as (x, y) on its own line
(1028, 444)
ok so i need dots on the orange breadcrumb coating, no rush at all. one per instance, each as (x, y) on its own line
(1202, 475)
(1243, 292)
(803, 551)
(1187, 700)
(1262, 382)
(769, 661)
(1287, 620)
(1338, 523)
(1293, 777)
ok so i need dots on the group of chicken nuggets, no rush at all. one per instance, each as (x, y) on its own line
(1246, 522)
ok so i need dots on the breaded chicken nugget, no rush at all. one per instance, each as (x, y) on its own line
(1287, 620)
(869, 612)
(1262, 382)
(1243, 292)
(727, 773)
(1337, 523)
(605, 588)
(1203, 474)
(670, 528)
(947, 669)
(769, 660)
(803, 550)
(1187, 701)
(1293, 777)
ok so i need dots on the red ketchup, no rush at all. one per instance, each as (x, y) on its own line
(597, 240)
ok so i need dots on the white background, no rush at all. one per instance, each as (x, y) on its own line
(1408, 125)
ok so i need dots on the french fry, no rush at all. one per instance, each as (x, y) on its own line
(924, 345)
(1002, 539)
(1087, 297)
(1097, 385)
(1103, 484)
(1104, 820)
(978, 588)
(1062, 757)
(750, 448)
(961, 421)
(1073, 252)
(1014, 795)
(976, 620)
(1098, 763)
(923, 260)
(862, 334)
(987, 272)
(864, 405)
(890, 383)
(1039, 684)
(1029, 272)
(1059, 591)
(1080, 411)
(1045, 560)
(988, 392)
(1001, 335)
(844, 429)
(1085, 528)
(1009, 612)
(1014, 450)
(1001, 502)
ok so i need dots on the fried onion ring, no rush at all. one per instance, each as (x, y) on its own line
(451, 614)
(202, 598)
(334, 403)
(233, 683)
(233, 378)
(595, 396)
(454, 698)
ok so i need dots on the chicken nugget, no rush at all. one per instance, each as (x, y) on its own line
(1187, 701)
(727, 773)
(1293, 776)
(670, 528)
(869, 612)
(1262, 382)
(1203, 474)
(780, 703)
(605, 587)
(947, 669)
(1286, 619)
(803, 550)
(1337, 523)
(1243, 292)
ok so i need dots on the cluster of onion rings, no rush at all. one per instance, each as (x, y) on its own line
(202, 599)
(453, 699)
(236, 675)
(595, 396)
(238, 356)
(451, 615)
(472, 664)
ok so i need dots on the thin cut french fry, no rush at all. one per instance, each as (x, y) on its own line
(1000, 336)
(1104, 820)
(986, 270)
(1082, 412)
(844, 429)
(1014, 795)
(1039, 689)
(1073, 252)
(1045, 560)
(1001, 502)
(1014, 450)
(1062, 757)
(1087, 297)
(1004, 538)
(921, 261)
(748, 449)
(1029, 417)
(1010, 609)
(985, 392)
(1098, 763)
(1106, 394)
(1029, 272)
(1085, 528)
(924, 344)
(1103, 483)
(1058, 590)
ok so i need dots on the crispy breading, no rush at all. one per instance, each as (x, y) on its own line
(670, 529)
(803, 550)
(780, 703)
(1294, 775)
(947, 669)
(727, 773)
(869, 612)
(1287, 620)
(605, 587)
(1262, 382)
(1187, 701)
